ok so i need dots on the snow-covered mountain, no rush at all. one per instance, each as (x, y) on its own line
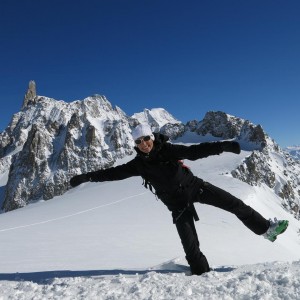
(49, 141)
(155, 117)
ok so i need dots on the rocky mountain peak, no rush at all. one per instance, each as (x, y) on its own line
(220, 124)
(48, 142)
(224, 126)
(30, 95)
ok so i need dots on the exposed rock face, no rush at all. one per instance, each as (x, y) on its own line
(220, 124)
(173, 130)
(50, 141)
(277, 170)
(30, 95)
(223, 126)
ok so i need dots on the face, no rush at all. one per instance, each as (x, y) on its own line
(145, 146)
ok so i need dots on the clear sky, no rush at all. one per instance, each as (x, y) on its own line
(189, 57)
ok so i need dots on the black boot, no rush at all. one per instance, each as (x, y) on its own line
(199, 266)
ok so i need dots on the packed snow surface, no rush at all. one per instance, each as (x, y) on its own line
(113, 240)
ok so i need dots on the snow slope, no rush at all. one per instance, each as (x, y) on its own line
(113, 240)
(155, 117)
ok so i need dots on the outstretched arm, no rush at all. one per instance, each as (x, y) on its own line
(202, 150)
(115, 173)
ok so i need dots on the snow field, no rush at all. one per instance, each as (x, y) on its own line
(260, 281)
(115, 241)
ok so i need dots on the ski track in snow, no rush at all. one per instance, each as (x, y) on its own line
(74, 214)
(260, 281)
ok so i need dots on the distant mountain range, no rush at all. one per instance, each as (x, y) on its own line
(49, 141)
(293, 151)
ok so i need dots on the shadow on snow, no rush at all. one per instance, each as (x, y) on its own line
(40, 277)
(45, 276)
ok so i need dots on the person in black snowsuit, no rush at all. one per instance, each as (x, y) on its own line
(158, 163)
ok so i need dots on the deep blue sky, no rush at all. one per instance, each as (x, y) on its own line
(189, 57)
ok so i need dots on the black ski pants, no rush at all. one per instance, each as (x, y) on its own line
(188, 235)
(212, 195)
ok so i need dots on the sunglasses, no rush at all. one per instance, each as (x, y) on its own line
(145, 139)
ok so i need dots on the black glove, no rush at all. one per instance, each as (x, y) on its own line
(79, 179)
(231, 147)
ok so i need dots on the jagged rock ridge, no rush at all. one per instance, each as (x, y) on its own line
(49, 141)
(225, 126)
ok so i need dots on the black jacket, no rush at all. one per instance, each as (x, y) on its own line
(174, 184)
